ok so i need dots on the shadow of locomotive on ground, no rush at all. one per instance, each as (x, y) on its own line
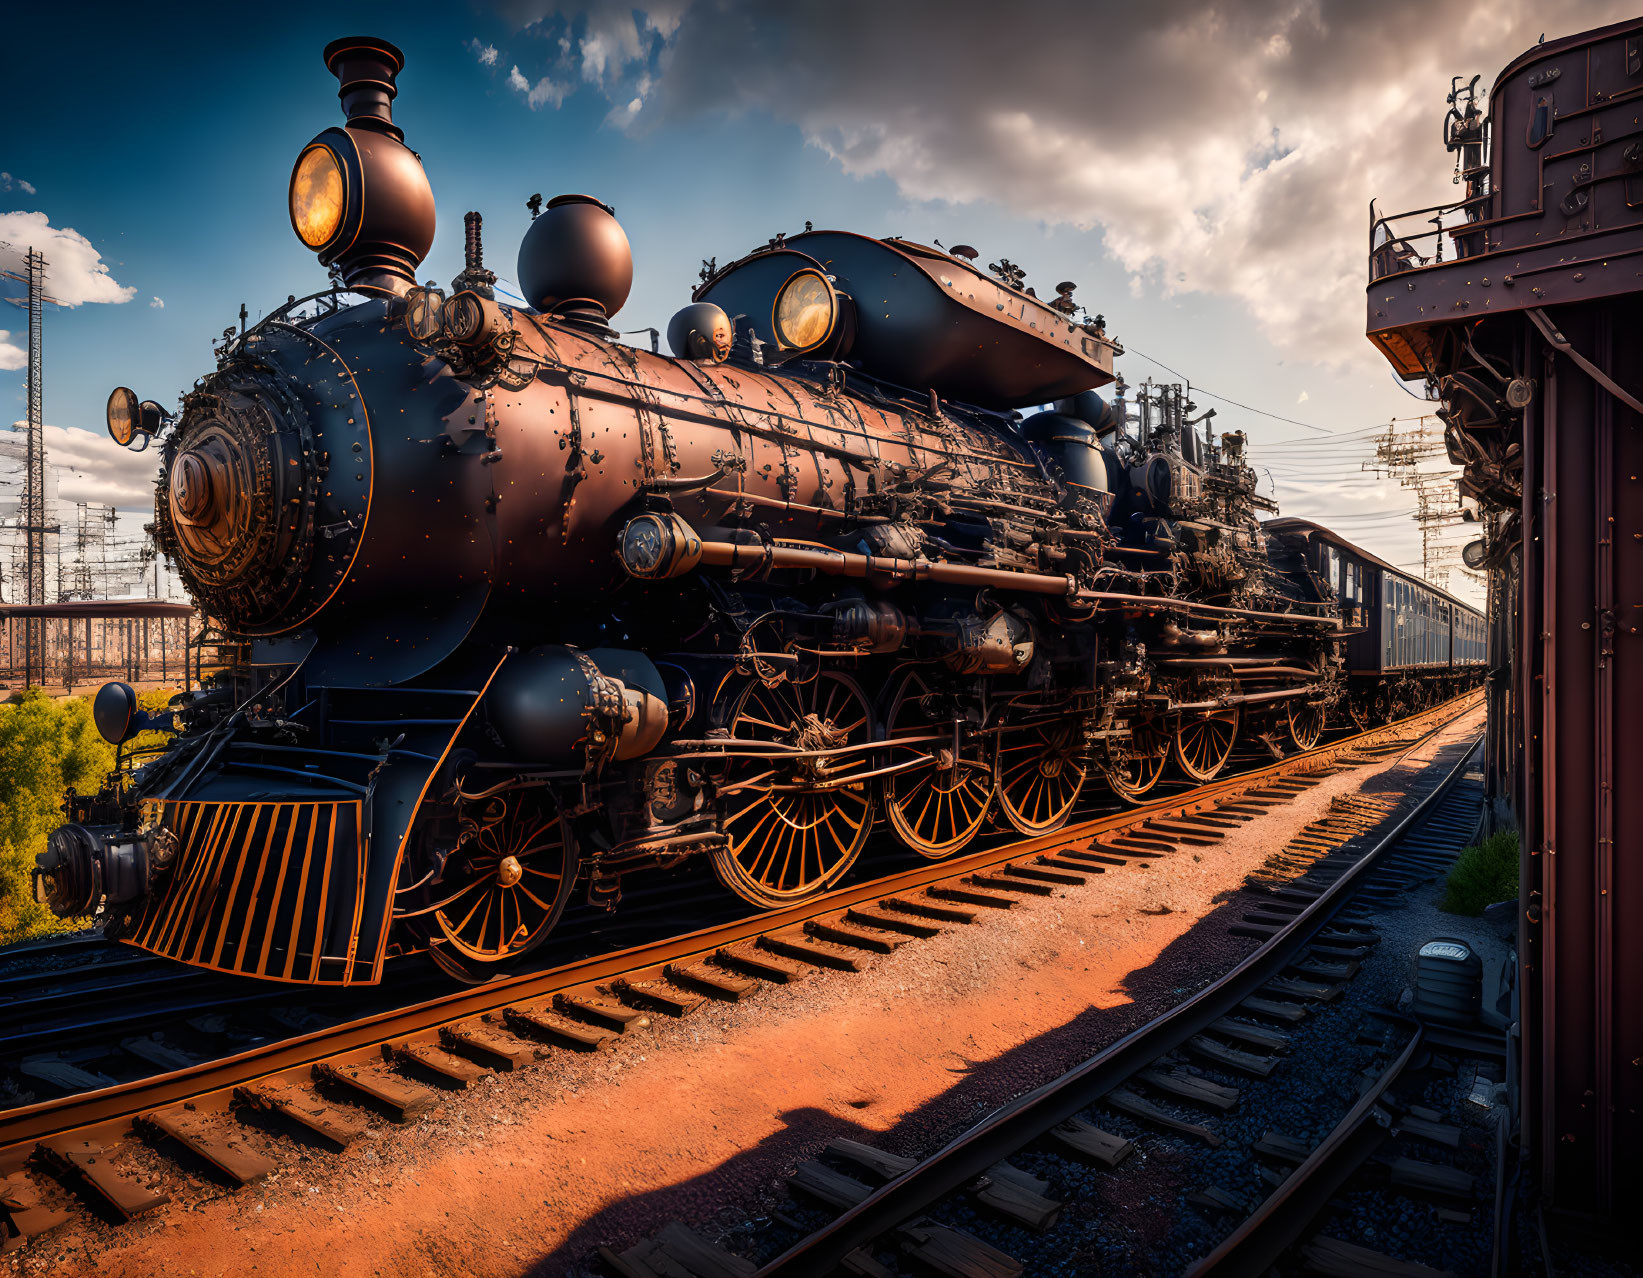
(745, 1196)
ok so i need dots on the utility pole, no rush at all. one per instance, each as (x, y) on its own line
(1399, 455)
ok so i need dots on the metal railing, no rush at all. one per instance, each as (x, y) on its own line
(1396, 245)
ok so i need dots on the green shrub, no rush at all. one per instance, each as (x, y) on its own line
(1485, 873)
(46, 745)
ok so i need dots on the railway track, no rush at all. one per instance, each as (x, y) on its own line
(78, 1013)
(385, 1060)
(1180, 1075)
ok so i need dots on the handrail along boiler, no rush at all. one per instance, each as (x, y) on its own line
(521, 608)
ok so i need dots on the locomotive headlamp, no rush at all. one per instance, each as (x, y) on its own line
(132, 423)
(318, 196)
(655, 546)
(118, 716)
(124, 414)
(805, 313)
(358, 195)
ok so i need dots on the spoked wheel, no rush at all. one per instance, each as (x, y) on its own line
(1041, 770)
(1203, 743)
(503, 888)
(1134, 768)
(1306, 723)
(939, 806)
(795, 826)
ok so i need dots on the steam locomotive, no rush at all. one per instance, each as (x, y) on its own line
(513, 607)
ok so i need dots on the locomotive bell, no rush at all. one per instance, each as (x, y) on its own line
(575, 257)
(700, 331)
(359, 197)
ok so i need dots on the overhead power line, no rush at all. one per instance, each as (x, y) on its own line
(1250, 408)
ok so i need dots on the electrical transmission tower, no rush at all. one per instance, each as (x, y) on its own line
(34, 528)
(80, 584)
(1404, 455)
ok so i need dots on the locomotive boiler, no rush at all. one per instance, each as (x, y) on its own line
(513, 610)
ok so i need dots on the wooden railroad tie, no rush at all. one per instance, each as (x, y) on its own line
(92, 1165)
(653, 988)
(301, 1106)
(561, 1031)
(212, 1137)
(403, 1100)
(450, 1068)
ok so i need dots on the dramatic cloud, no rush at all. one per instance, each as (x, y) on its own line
(92, 467)
(486, 53)
(12, 356)
(75, 271)
(9, 183)
(1229, 147)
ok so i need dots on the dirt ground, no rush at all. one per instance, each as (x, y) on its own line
(527, 1172)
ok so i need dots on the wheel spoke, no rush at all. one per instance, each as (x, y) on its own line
(1038, 791)
(792, 840)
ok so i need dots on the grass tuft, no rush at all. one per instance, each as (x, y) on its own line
(1485, 873)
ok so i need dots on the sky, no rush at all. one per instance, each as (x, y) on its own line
(1203, 171)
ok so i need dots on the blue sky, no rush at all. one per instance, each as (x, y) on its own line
(1217, 220)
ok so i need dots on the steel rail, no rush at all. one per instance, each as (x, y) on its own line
(109, 1111)
(1251, 1250)
(1005, 1131)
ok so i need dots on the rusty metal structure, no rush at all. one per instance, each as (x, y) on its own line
(1518, 312)
(86, 641)
(523, 608)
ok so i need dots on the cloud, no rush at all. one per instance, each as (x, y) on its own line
(12, 356)
(75, 271)
(156, 303)
(622, 116)
(486, 53)
(543, 92)
(8, 182)
(608, 43)
(92, 467)
(1225, 147)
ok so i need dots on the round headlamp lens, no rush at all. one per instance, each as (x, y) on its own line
(123, 415)
(804, 311)
(642, 545)
(317, 197)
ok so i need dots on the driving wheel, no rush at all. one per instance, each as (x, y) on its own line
(1203, 742)
(796, 824)
(1041, 770)
(1133, 767)
(938, 806)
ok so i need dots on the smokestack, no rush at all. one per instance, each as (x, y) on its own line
(366, 67)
